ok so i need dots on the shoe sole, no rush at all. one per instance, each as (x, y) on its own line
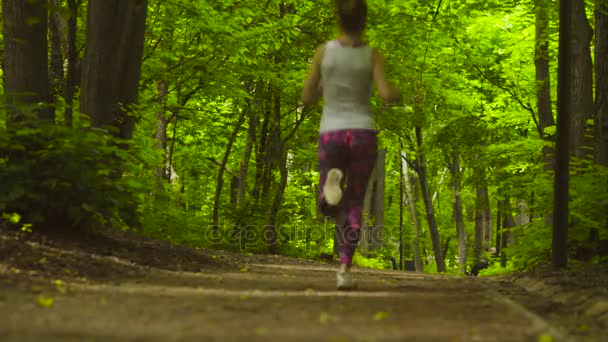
(345, 285)
(346, 288)
(331, 189)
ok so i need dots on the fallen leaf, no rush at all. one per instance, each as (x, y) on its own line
(46, 302)
(545, 338)
(380, 316)
(61, 286)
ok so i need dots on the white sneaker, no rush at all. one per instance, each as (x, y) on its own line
(332, 189)
(344, 280)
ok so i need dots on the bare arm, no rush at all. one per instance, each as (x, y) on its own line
(312, 85)
(387, 92)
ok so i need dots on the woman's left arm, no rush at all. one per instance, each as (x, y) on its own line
(312, 85)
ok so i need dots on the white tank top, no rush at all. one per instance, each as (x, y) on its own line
(346, 74)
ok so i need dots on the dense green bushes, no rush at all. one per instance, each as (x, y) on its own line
(56, 176)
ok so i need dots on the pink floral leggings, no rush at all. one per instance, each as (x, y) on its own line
(354, 151)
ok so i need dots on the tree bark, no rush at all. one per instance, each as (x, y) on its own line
(410, 191)
(601, 81)
(26, 72)
(479, 226)
(601, 101)
(251, 138)
(543, 80)
(581, 86)
(430, 214)
(56, 35)
(262, 158)
(219, 184)
(487, 219)
(276, 205)
(71, 81)
(112, 63)
(499, 211)
(565, 110)
(162, 171)
(509, 222)
(278, 158)
(458, 215)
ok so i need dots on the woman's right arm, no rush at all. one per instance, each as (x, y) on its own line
(387, 92)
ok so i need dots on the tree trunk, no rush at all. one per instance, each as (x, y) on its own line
(56, 35)
(162, 171)
(430, 214)
(251, 137)
(541, 62)
(276, 205)
(479, 227)
(581, 85)
(543, 79)
(219, 184)
(71, 80)
(509, 222)
(601, 104)
(487, 220)
(271, 147)
(26, 72)
(565, 113)
(375, 238)
(278, 157)
(112, 63)
(262, 158)
(601, 81)
(410, 191)
(498, 228)
(402, 202)
(458, 216)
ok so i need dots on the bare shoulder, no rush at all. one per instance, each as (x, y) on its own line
(377, 55)
(320, 52)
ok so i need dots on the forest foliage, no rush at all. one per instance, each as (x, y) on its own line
(213, 148)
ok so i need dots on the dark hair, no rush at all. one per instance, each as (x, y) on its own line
(352, 15)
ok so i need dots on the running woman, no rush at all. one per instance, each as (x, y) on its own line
(343, 72)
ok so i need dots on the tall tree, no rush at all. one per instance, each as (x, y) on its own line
(543, 78)
(26, 72)
(601, 81)
(71, 80)
(601, 97)
(410, 191)
(457, 213)
(566, 77)
(428, 203)
(112, 62)
(57, 43)
(581, 70)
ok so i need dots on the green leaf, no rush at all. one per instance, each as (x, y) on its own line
(45, 302)
(381, 315)
(13, 218)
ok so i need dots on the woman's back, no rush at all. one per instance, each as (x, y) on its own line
(346, 74)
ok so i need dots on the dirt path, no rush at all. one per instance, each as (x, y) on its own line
(268, 302)
(118, 297)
